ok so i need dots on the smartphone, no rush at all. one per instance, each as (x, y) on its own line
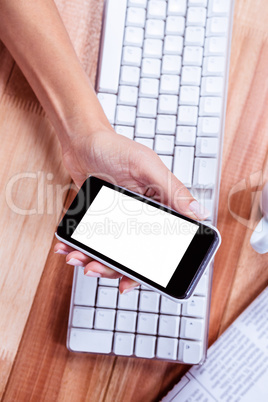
(138, 237)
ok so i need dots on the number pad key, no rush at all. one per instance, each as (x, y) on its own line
(192, 328)
(128, 301)
(169, 325)
(145, 346)
(126, 321)
(104, 319)
(123, 344)
(195, 307)
(169, 306)
(107, 297)
(167, 348)
(147, 323)
(149, 301)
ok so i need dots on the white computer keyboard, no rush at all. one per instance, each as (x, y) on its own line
(162, 81)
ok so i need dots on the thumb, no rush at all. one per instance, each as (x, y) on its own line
(172, 192)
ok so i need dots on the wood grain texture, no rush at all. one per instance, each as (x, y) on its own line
(43, 369)
(32, 172)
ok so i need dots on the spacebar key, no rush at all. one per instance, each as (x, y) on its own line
(111, 46)
(82, 340)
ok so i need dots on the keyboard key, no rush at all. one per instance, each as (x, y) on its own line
(128, 301)
(135, 16)
(87, 289)
(207, 147)
(107, 281)
(147, 107)
(154, 29)
(169, 84)
(219, 8)
(145, 128)
(168, 104)
(187, 115)
(213, 65)
(169, 306)
(204, 172)
(147, 323)
(83, 317)
(145, 346)
(149, 87)
(200, 3)
(123, 344)
(89, 340)
(128, 95)
(165, 124)
(137, 3)
(202, 286)
(189, 95)
(145, 141)
(131, 56)
(156, 9)
(167, 348)
(153, 48)
(176, 7)
(126, 321)
(190, 352)
(149, 301)
(108, 103)
(134, 36)
(173, 44)
(111, 50)
(164, 144)
(183, 164)
(195, 307)
(215, 46)
(210, 106)
(186, 136)
(212, 86)
(171, 64)
(190, 75)
(175, 25)
(104, 319)
(192, 328)
(167, 160)
(127, 132)
(217, 26)
(107, 297)
(126, 115)
(194, 36)
(130, 75)
(150, 68)
(196, 16)
(169, 325)
(193, 56)
(208, 126)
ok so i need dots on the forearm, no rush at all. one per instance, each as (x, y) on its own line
(35, 35)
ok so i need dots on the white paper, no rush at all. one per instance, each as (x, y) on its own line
(237, 365)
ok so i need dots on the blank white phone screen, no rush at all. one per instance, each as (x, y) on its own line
(145, 239)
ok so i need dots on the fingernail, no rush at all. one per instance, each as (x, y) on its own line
(199, 210)
(129, 289)
(94, 274)
(60, 251)
(74, 261)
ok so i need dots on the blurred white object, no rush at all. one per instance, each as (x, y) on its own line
(259, 238)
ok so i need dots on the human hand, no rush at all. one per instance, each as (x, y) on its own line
(129, 164)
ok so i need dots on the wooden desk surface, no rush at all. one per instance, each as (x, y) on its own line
(35, 284)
